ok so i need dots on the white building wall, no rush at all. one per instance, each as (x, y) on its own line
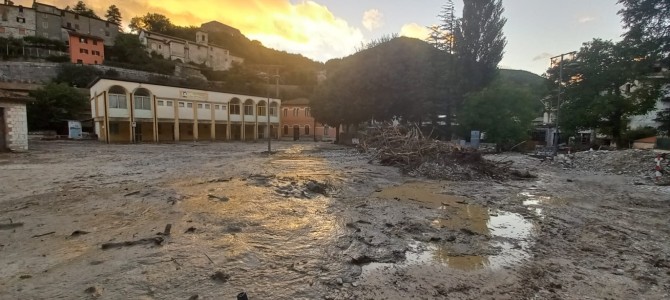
(16, 126)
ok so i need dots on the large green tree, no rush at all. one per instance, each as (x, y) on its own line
(83, 10)
(648, 24)
(505, 123)
(54, 103)
(113, 14)
(151, 22)
(604, 85)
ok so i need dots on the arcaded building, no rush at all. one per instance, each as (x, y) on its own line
(297, 122)
(128, 112)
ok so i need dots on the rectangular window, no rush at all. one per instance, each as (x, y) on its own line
(20, 20)
(273, 111)
(168, 103)
(106, 33)
(207, 106)
(248, 109)
(189, 105)
(69, 25)
(217, 107)
(85, 51)
(261, 110)
(182, 104)
(307, 113)
(44, 34)
(200, 105)
(76, 26)
(325, 130)
(20, 8)
(160, 103)
(45, 24)
(223, 107)
(117, 101)
(142, 102)
(95, 42)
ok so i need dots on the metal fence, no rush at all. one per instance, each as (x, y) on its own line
(24, 51)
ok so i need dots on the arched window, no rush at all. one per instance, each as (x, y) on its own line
(234, 106)
(142, 99)
(285, 112)
(307, 112)
(325, 130)
(261, 108)
(249, 107)
(117, 97)
(306, 129)
(295, 112)
(285, 129)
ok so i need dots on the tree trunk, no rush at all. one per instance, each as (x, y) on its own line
(337, 133)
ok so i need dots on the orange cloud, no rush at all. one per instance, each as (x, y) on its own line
(307, 28)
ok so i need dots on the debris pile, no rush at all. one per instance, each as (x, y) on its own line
(409, 150)
(632, 162)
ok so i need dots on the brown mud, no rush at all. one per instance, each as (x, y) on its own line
(316, 221)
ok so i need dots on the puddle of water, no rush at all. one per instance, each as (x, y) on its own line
(536, 202)
(510, 233)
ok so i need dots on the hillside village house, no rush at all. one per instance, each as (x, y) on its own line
(17, 21)
(298, 123)
(86, 49)
(199, 51)
(127, 111)
(47, 21)
(13, 121)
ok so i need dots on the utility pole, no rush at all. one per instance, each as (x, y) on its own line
(267, 90)
(558, 105)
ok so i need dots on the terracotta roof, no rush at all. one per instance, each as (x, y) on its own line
(651, 139)
(296, 101)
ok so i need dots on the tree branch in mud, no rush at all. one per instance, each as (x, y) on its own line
(408, 149)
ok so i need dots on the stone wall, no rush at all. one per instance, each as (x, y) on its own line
(43, 72)
(16, 125)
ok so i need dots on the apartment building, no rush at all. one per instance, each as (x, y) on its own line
(49, 14)
(297, 122)
(48, 21)
(86, 49)
(128, 111)
(16, 21)
(199, 51)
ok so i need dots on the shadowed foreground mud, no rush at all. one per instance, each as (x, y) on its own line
(315, 221)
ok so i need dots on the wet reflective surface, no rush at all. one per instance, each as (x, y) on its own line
(500, 238)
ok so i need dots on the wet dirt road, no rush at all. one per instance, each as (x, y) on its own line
(314, 221)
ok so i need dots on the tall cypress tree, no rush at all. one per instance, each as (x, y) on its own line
(479, 42)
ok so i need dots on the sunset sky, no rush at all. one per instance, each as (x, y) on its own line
(325, 29)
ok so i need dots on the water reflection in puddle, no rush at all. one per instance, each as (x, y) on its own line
(509, 234)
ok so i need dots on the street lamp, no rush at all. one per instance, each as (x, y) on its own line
(558, 105)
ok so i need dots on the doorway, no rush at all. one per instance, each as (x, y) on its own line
(296, 132)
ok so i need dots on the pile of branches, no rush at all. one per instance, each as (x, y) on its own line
(408, 149)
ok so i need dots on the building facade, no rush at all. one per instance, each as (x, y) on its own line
(13, 122)
(74, 22)
(48, 21)
(86, 49)
(126, 111)
(199, 51)
(297, 122)
(16, 21)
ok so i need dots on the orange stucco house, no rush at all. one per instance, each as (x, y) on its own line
(86, 49)
(298, 124)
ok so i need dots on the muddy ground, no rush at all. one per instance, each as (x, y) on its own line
(317, 221)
